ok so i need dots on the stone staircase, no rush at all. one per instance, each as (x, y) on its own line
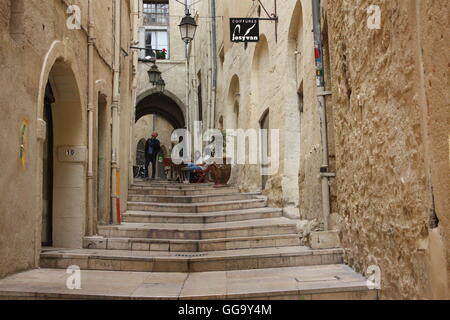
(198, 241)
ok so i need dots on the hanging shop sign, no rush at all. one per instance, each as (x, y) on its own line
(244, 29)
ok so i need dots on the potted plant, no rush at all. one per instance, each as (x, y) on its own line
(161, 55)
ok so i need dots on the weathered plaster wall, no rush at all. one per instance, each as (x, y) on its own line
(26, 60)
(391, 113)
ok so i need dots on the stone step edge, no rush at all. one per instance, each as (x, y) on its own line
(159, 214)
(207, 229)
(191, 205)
(296, 294)
(300, 293)
(198, 196)
(187, 256)
(191, 241)
(180, 187)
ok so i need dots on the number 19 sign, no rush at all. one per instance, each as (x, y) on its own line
(244, 29)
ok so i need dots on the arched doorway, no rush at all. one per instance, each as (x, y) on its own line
(64, 157)
(259, 75)
(47, 170)
(233, 103)
(140, 153)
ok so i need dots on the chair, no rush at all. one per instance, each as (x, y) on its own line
(201, 176)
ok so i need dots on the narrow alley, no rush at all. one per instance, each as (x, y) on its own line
(225, 150)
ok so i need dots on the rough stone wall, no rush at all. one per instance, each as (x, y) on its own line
(383, 153)
(21, 61)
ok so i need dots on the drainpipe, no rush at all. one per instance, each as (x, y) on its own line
(209, 78)
(214, 64)
(136, 24)
(321, 93)
(187, 115)
(90, 107)
(115, 168)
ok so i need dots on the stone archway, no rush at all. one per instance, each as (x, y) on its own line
(69, 154)
(140, 153)
(161, 112)
(166, 105)
(259, 75)
(232, 116)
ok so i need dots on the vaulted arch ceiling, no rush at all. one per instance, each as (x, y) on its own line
(162, 105)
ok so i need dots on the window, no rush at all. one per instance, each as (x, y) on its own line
(156, 14)
(157, 40)
(156, 24)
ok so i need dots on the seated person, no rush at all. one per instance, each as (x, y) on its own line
(191, 167)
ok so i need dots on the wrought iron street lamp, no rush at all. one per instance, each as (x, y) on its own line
(187, 27)
(160, 85)
(154, 75)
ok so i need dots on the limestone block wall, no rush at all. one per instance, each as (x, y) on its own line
(391, 118)
(173, 73)
(266, 77)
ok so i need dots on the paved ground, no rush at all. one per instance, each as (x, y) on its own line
(313, 282)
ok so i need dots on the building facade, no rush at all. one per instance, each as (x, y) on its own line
(364, 161)
(67, 93)
(387, 124)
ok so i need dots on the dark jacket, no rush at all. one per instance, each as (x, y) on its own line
(152, 148)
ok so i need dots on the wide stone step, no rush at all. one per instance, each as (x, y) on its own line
(249, 228)
(178, 186)
(337, 282)
(174, 245)
(182, 191)
(143, 261)
(140, 181)
(208, 217)
(197, 207)
(191, 199)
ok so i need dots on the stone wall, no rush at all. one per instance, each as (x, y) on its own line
(172, 71)
(391, 117)
(266, 77)
(36, 45)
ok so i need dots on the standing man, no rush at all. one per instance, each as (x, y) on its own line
(152, 148)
